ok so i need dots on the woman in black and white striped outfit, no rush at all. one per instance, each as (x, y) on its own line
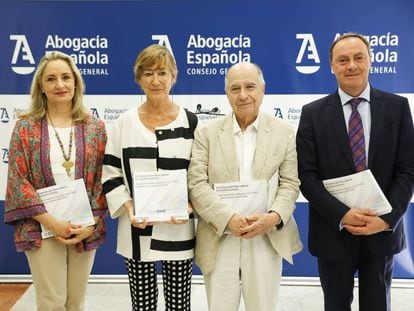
(157, 135)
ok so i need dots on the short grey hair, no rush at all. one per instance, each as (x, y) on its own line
(259, 73)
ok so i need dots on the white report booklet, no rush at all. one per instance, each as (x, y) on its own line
(160, 195)
(359, 190)
(68, 201)
(248, 197)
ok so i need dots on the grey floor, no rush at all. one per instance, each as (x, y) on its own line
(115, 296)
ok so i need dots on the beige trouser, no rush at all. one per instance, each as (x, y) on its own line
(60, 275)
(249, 267)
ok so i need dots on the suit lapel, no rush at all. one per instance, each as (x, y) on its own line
(228, 148)
(336, 120)
(377, 122)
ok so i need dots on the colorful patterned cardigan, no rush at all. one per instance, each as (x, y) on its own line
(29, 169)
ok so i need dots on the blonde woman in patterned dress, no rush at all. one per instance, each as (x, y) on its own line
(56, 141)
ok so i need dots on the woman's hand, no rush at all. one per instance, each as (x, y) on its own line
(77, 234)
(143, 224)
(59, 228)
(129, 208)
(175, 221)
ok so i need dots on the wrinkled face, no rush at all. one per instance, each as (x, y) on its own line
(156, 82)
(58, 82)
(351, 63)
(245, 92)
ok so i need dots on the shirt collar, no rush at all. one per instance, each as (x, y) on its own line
(236, 127)
(345, 98)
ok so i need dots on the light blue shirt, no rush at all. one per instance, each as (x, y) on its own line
(364, 109)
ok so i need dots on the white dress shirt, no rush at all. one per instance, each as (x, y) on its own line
(245, 147)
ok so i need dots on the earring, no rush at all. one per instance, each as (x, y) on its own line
(43, 91)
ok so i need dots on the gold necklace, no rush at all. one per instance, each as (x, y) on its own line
(67, 164)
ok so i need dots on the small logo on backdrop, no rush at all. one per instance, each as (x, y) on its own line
(207, 113)
(94, 112)
(290, 114)
(308, 60)
(5, 155)
(22, 55)
(4, 116)
(164, 41)
(201, 110)
(278, 113)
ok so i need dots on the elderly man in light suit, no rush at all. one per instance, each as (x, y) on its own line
(242, 254)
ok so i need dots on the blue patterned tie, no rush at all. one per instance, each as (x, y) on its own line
(356, 136)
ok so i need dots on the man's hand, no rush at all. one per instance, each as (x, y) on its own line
(237, 224)
(372, 225)
(351, 218)
(260, 224)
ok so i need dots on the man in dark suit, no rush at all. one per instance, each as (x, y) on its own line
(350, 239)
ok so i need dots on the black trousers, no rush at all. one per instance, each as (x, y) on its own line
(374, 278)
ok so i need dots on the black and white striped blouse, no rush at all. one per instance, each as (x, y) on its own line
(132, 147)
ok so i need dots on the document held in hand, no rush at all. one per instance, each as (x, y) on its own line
(160, 195)
(359, 190)
(250, 197)
(68, 201)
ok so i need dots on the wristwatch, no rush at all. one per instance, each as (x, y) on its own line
(279, 225)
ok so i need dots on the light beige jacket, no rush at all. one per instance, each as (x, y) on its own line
(214, 160)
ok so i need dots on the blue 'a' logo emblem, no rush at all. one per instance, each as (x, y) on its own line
(4, 116)
(94, 112)
(278, 113)
(5, 155)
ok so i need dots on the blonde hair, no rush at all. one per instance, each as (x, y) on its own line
(38, 106)
(157, 55)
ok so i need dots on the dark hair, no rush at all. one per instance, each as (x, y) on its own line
(349, 35)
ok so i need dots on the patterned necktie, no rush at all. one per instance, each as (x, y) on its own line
(356, 136)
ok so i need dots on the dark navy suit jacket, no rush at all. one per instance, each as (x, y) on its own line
(324, 152)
